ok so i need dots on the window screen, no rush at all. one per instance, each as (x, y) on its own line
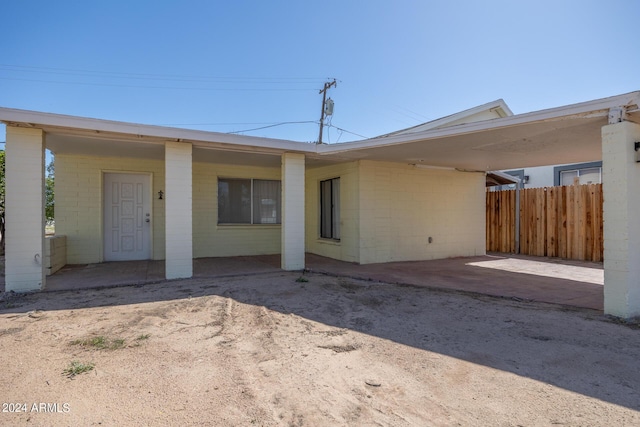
(248, 201)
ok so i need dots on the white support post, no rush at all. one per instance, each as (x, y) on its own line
(178, 210)
(621, 185)
(292, 239)
(24, 209)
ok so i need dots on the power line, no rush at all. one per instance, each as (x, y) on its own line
(413, 115)
(344, 130)
(215, 124)
(158, 87)
(155, 81)
(169, 77)
(273, 125)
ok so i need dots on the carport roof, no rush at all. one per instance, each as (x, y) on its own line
(567, 134)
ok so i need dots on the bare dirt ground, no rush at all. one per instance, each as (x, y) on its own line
(269, 350)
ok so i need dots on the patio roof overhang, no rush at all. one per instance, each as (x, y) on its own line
(568, 134)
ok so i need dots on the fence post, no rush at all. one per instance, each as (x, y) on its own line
(517, 216)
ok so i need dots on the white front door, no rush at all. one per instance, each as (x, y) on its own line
(127, 216)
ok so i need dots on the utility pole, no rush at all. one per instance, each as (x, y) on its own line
(323, 91)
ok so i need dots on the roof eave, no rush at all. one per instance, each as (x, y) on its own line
(12, 116)
(595, 108)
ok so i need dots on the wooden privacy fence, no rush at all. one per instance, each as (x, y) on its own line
(563, 222)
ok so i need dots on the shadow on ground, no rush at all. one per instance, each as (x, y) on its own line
(576, 349)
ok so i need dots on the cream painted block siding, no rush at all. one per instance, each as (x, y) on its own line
(55, 250)
(24, 209)
(388, 211)
(213, 240)
(347, 249)
(402, 206)
(621, 226)
(79, 212)
(178, 169)
(292, 235)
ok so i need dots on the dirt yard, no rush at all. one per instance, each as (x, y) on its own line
(271, 350)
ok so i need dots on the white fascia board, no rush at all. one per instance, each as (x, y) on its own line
(35, 119)
(443, 121)
(503, 105)
(498, 104)
(595, 108)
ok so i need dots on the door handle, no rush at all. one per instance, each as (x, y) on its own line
(147, 220)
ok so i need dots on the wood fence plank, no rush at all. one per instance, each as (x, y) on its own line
(494, 221)
(504, 202)
(599, 224)
(525, 221)
(551, 223)
(563, 222)
(583, 198)
(487, 220)
(541, 219)
(562, 234)
(589, 194)
(512, 221)
(571, 220)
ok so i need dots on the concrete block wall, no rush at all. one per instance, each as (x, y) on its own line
(292, 241)
(388, 211)
(79, 208)
(178, 210)
(621, 179)
(24, 187)
(213, 240)
(402, 206)
(55, 250)
(79, 202)
(347, 249)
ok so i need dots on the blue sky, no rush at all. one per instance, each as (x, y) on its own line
(237, 65)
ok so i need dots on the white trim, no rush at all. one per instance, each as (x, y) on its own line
(595, 108)
(146, 133)
(140, 131)
(498, 106)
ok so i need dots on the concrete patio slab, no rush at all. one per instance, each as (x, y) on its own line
(550, 280)
(144, 272)
(538, 268)
(577, 283)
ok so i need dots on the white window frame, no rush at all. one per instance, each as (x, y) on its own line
(251, 197)
(579, 173)
(576, 167)
(333, 184)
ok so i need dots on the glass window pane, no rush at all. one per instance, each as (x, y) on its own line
(336, 208)
(266, 202)
(590, 176)
(325, 209)
(234, 201)
(330, 208)
(567, 177)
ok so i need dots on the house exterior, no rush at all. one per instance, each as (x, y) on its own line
(128, 191)
(557, 175)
